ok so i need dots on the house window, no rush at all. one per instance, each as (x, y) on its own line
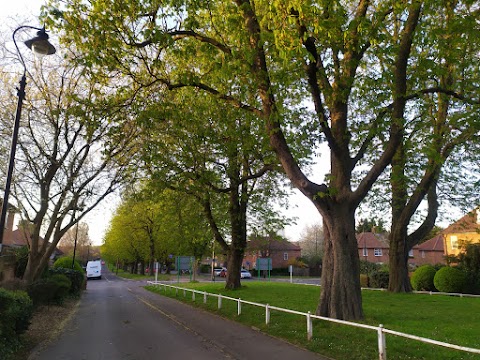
(454, 242)
(285, 256)
(365, 252)
(423, 254)
(410, 253)
(377, 252)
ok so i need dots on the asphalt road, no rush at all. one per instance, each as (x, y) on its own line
(118, 319)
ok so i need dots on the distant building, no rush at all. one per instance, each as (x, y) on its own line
(274, 247)
(374, 248)
(464, 231)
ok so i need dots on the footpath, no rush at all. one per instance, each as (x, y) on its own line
(235, 340)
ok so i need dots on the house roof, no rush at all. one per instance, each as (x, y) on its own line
(272, 244)
(370, 240)
(21, 237)
(468, 223)
(434, 244)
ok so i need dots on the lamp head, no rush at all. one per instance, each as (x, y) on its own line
(40, 44)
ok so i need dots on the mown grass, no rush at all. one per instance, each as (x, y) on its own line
(128, 275)
(449, 319)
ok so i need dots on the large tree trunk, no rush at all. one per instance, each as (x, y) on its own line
(31, 270)
(399, 281)
(234, 261)
(340, 296)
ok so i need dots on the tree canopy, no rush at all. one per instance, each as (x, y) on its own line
(356, 62)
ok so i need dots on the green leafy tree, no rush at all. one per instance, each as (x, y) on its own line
(352, 58)
(371, 225)
(151, 226)
(222, 164)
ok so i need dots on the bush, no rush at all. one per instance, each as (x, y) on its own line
(21, 259)
(66, 263)
(15, 314)
(77, 278)
(450, 280)
(63, 284)
(367, 267)
(379, 279)
(42, 291)
(205, 269)
(363, 280)
(422, 278)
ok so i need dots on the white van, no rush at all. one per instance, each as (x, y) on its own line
(94, 269)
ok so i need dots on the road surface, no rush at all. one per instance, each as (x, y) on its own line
(117, 319)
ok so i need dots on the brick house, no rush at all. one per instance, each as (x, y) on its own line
(429, 252)
(373, 247)
(274, 247)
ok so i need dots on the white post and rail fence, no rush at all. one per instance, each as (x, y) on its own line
(381, 331)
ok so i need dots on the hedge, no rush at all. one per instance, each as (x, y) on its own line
(16, 310)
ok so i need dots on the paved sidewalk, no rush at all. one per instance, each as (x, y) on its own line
(234, 339)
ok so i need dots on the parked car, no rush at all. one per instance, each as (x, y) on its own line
(217, 271)
(223, 273)
(245, 274)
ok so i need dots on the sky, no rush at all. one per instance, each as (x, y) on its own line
(98, 220)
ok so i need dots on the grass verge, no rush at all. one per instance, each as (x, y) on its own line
(128, 275)
(449, 319)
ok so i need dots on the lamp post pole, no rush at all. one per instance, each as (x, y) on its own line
(75, 245)
(40, 46)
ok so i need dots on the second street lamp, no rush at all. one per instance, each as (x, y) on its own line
(41, 47)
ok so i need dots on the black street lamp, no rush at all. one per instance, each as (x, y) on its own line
(75, 247)
(40, 46)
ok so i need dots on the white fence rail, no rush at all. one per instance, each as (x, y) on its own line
(381, 331)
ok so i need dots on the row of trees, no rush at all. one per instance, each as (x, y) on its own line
(156, 226)
(392, 86)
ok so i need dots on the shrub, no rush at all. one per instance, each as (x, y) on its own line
(363, 280)
(422, 278)
(66, 263)
(205, 269)
(42, 291)
(450, 280)
(379, 279)
(21, 259)
(367, 267)
(15, 314)
(77, 278)
(63, 285)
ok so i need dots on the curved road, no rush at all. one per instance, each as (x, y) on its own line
(118, 319)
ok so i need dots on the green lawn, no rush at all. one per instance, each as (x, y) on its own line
(128, 275)
(449, 319)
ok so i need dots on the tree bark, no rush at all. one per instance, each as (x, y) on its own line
(340, 296)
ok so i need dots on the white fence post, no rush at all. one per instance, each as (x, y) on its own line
(184, 293)
(309, 326)
(193, 295)
(382, 344)
(267, 314)
(239, 307)
(205, 297)
(219, 302)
